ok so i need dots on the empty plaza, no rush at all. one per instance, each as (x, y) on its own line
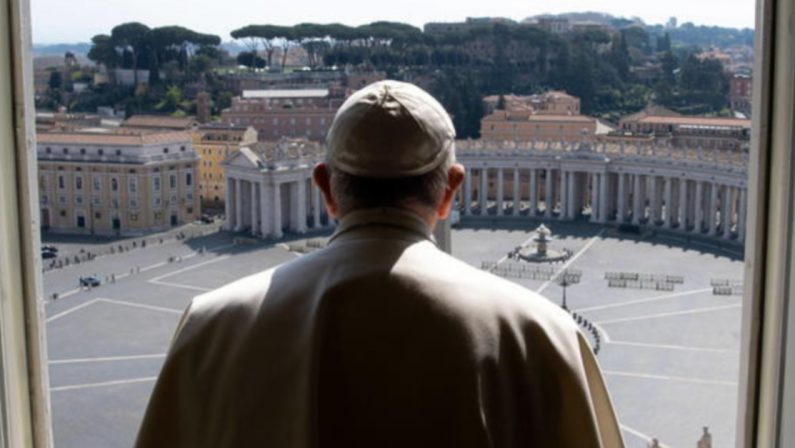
(670, 357)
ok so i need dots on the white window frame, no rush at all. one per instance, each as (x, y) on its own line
(766, 416)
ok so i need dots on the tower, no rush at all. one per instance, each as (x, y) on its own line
(203, 107)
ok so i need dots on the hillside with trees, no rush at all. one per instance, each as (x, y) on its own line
(613, 72)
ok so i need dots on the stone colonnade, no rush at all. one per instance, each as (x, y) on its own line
(694, 201)
(272, 204)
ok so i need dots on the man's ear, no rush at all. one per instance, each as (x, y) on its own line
(455, 176)
(322, 177)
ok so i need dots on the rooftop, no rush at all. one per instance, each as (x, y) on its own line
(697, 121)
(113, 139)
(502, 115)
(159, 122)
(286, 93)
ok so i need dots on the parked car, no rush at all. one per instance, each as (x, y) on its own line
(91, 280)
(207, 219)
(45, 254)
(49, 248)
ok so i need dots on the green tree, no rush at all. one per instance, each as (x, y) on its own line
(56, 80)
(250, 60)
(103, 51)
(664, 43)
(172, 101)
(131, 37)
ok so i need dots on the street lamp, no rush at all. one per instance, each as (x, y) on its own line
(565, 279)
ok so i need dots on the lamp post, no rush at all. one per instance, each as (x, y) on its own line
(565, 279)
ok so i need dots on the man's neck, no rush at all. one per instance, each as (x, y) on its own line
(424, 213)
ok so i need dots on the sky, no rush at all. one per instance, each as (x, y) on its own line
(60, 21)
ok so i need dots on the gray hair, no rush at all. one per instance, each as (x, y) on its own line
(356, 192)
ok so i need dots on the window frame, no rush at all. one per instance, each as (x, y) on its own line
(24, 377)
(765, 419)
(763, 414)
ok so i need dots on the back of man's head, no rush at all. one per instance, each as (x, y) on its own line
(391, 145)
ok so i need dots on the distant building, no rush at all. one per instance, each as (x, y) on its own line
(305, 113)
(471, 23)
(126, 77)
(203, 101)
(690, 131)
(554, 25)
(740, 91)
(160, 122)
(530, 126)
(716, 54)
(48, 121)
(115, 183)
(550, 116)
(214, 142)
(549, 103)
(588, 25)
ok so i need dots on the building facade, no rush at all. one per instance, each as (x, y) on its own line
(740, 91)
(214, 142)
(695, 193)
(690, 131)
(526, 125)
(270, 191)
(304, 113)
(550, 103)
(117, 184)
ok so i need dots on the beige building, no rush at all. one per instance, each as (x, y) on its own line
(214, 142)
(116, 183)
(689, 131)
(553, 102)
(530, 126)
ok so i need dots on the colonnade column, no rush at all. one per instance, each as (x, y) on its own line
(468, 192)
(603, 178)
(636, 201)
(571, 200)
(500, 191)
(654, 202)
(238, 206)
(533, 193)
(682, 213)
(698, 227)
(301, 207)
(622, 198)
(668, 199)
(594, 195)
(726, 211)
(562, 195)
(517, 200)
(548, 193)
(254, 202)
(229, 205)
(713, 209)
(316, 204)
(277, 210)
(483, 192)
(265, 219)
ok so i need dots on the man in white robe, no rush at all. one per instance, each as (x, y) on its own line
(380, 339)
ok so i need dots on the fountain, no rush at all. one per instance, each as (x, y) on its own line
(542, 252)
